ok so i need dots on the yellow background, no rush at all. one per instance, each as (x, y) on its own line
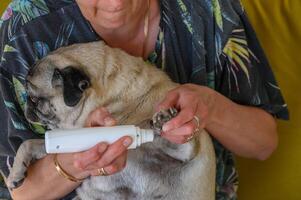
(278, 26)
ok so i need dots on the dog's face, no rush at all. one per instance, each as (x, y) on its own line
(55, 96)
(59, 89)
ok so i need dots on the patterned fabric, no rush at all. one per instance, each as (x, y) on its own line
(206, 42)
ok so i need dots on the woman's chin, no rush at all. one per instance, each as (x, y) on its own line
(111, 24)
(114, 25)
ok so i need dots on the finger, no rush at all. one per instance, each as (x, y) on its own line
(175, 139)
(118, 164)
(83, 159)
(114, 151)
(170, 100)
(203, 116)
(186, 130)
(95, 171)
(100, 117)
(185, 115)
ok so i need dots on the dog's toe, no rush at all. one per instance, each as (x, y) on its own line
(161, 117)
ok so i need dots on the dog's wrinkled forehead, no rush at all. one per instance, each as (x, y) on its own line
(48, 78)
(39, 77)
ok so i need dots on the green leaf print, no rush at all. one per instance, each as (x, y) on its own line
(8, 49)
(21, 97)
(217, 13)
(20, 93)
(29, 10)
(38, 128)
(238, 53)
(211, 79)
(12, 107)
(185, 16)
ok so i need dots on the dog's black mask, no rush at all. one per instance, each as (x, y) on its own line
(74, 83)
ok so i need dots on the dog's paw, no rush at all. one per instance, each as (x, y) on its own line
(14, 184)
(15, 179)
(28, 152)
(161, 118)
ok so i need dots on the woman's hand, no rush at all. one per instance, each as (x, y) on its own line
(42, 173)
(245, 130)
(112, 158)
(194, 102)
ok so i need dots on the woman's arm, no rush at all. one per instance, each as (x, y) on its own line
(44, 182)
(246, 131)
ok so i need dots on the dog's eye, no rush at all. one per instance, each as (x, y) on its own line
(84, 84)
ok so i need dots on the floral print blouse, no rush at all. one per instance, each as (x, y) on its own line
(205, 42)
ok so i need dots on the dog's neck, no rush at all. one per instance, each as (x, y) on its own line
(145, 90)
(142, 104)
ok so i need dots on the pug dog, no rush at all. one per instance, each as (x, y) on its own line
(65, 86)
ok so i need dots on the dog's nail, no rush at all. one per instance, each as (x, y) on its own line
(127, 142)
(17, 183)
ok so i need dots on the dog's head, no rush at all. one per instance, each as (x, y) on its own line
(59, 88)
(59, 93)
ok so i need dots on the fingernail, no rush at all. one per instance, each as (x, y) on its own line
(102, 147)
(166, 127)
(109, 121)
(127, 142)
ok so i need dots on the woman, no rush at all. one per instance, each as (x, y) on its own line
(208, 46)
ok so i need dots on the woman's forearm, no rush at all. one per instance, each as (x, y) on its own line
(246, 131)
(44, 182)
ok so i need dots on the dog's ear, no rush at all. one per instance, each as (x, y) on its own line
(74, 83)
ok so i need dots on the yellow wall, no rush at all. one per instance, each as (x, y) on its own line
(278, 26)
(3, 4)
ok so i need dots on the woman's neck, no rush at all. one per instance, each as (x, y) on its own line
(131, 37)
